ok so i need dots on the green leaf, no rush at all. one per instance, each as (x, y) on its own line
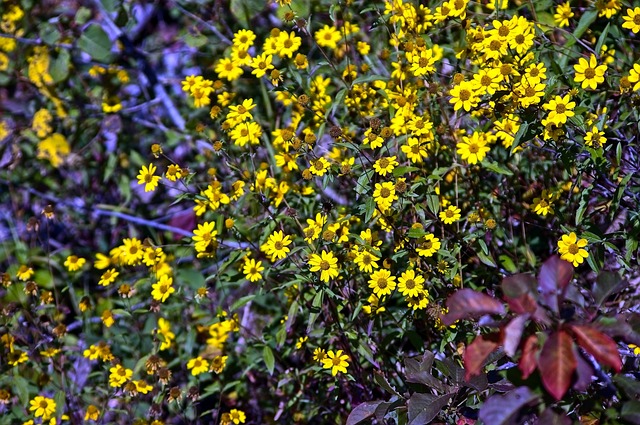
(369, 79)
(59, 67)
(586, 20)
(400, 171)
(602, 39)
(82, 15)
(48, 33)
(246, 10)
(370, 207)
(521, 132)
(96, 43)
(496, 168)
(241, 302)
(416, 233)
(269, 360)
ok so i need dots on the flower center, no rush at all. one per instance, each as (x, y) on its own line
(560, 108)
(589, 73)
(384, 163)
(520, 39)
(324, 265)
(504, 31)
(410, 284)
(473, 148)
(382, 283)
(573, 249)
(465, 94)
(449, 213)
(495, 45)
(423, 62)
(278, 245)
(44, 404)
(336, 361)
(486, 80)
(529, 92)
(242, 109)
(534, 72)
(385, 192)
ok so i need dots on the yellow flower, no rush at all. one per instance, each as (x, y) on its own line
(243, 39)
(560, 109)
(384, 195)
(102, 261)
(164, 329)
(163, 288)
(589, 72)
(277, 245)
(464, 96)
(337, 362)
(374, 305)
(42, 406)
(74, 263)
(226, 68)
(92, 413)
(570, 249)
(218, 364)
(108, 277)
(131, 252)
(252, 269)
(204, 235)
(366, 261)
(198, 365)
(327, 37)
(16, 357)
(385, 165)
(147, 178)
(319, 166)
(107, 318)
(635, 348)
(544, 204)
(410, 284)
(450, 215)
(428, 245)
(261, 64)
(301, 341)
(54, 148)
(319, 354)
(287, 44)
(24, 273)
(382, 282)
(563, 14)
(325, 263)
(595, 138)
(119, 375)
(474, 148)
(632, 20)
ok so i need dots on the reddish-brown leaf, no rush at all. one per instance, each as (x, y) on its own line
(599, 345)
(557, 363)
(467, 303)
(555, 274)
(518, 284)
(477, 352)
(528, 361)
(512, 333)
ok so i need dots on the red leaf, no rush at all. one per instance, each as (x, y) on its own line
(477, 352)
(554, 277)
(467, 303)
(528, 360)
(512, 334)
(557, 363)
(599, 345)
(518, 284)
(363, 411)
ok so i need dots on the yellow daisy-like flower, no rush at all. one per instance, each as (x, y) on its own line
(385, 165)
(74, 263)
(428, 245)
(261, 65)
(595, 138)
(119, 375)
(384, 195)
(42, 406)
(24, 273)
(464, 96)
(325, 263)
(450, 215)
(252, 269)
(473, 149)
(319, 166)
(277, 245)
(635, 349)
(327, 37)
(198, 365)
(92, 413)
(560, 109)
(632, 20)
(319, 354)
(337, 362)
(147, 178)
(570, 249)
(544, 204)
(410, 284)
(108, 277)
(382, 282)
(218, 364)
(366, 261)
(589, 72)
(243, 39)
(563, 14)
(204, 235)
(163, 288)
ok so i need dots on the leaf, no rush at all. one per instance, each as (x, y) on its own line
(384, 384)
(246, 10)
(554, 276)
(518, 136)
(513, 334)
(584, 371)
(503, 409)
(528, 361)
(59, 67)
(467, 303)
(599, 345)
(607, 283)
(497, 168)
(477, 352)
(585, 22)
(631, 412)
(423, 408)
(96, 43)
(269, 360)
(549, 417)
(363, 411)
(400, 171)
(418, 371)
(630, 386)
(557, 363)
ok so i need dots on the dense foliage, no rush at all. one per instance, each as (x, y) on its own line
(390, 212)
